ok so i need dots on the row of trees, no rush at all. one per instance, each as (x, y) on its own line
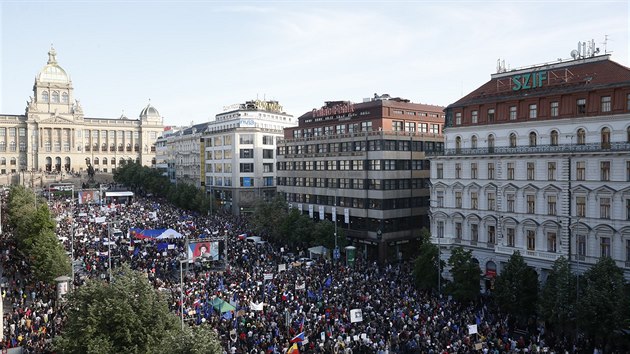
(282, 225)
(595, 304)
(34, 230)
(145, 180)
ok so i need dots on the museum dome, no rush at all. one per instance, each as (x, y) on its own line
(149, 112)
(52, 72)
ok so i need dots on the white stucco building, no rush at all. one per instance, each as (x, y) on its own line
(537, 160)
(240, 153)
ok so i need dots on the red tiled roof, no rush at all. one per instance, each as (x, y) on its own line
(578, 75)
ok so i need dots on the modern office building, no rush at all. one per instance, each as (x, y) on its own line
(537, 160)
(365, 164)
(239, 153)
(54, 135)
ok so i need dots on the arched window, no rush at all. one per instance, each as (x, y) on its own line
(458, 143)
(553, 138)
(3, 160)
(490, 143)
(104, 160)
(581, 137)
(96, 160)
(64, 97)
(532, 139)
(55, 97)
(473, 142)
(45, 96)
(605, 138)
(512, 140)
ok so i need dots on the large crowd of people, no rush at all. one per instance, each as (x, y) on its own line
(275, 301)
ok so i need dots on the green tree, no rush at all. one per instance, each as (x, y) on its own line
(466, 275)
(49, 259)
(516, 288)
(124, 316)
(603, 306)
(557, 298)
(426, 266)
(194, 340)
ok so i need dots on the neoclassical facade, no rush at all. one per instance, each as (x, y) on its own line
(537, 160)
(54, 135)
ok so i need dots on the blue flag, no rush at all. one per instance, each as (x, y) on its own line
(328, 282)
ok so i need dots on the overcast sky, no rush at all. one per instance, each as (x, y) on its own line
(191, 58)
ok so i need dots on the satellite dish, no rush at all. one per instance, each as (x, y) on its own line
(574, 54)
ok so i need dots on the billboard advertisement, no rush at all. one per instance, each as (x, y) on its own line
(89, 197)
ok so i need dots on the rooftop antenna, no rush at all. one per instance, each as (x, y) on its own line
(605, 43)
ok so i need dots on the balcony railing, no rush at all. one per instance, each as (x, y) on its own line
(552, 256)
(539, 149)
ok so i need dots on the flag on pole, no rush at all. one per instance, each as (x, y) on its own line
(299, 338)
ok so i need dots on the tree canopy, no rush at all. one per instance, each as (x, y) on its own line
(516, 288)
(126, 316)
(427, 263)
(466, 275)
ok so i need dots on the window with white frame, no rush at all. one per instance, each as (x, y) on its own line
(474, 117)
(531, 240)
(511, 236)
(551, 204)
(492, 238)
(551, 242)
(606, 104)
(490, 170)
(580, 169)
(531, 204)
(554, 109)
(604, 208)
(491, 201)
(473, 170)
(510, 197)
(458, 118)
(533, 111)
(512, 112)
(474, 200)
(580, 206)
(458, 199)
(604, 244)
(551, 171)
(474, 232)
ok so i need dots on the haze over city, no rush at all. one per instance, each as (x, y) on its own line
(192, 58)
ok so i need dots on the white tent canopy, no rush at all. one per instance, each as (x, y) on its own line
(318, 251)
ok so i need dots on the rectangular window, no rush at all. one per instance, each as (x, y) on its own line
(474, 201)
(458, 199)
(551, 171)
(605, 170)
(533, 111)
(473, 170)
(491, 115)
(246, 139)
(580, 206)
(581, 106)
(491, 201)
(606, 104)
(530, 171)
(490, 170)
(510, 236)
(246, 153)
(439, 171)
(627, 250)
(551, 242)
(580, 167)
(510, 202)
(628, 171)
(435, 128)
(512, 112)
(531, 240)
(474, 233)
(410, 127)
(458, 231)
(510, 170)
(554, 109)
(531, 204)
(628, 102)
(458, 118)
(247, 167)
(268, 153)
(458, 170)
(492, 239)
(440, 199)
(397, 126)
(267, 140)
(551, 205)
(581, 246)
(474, 117)
(604, 208)
(605, 246)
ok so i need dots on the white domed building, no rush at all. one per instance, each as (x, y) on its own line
(54, 135)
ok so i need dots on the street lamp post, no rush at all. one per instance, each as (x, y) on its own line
(181, 292)
(72, 235)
